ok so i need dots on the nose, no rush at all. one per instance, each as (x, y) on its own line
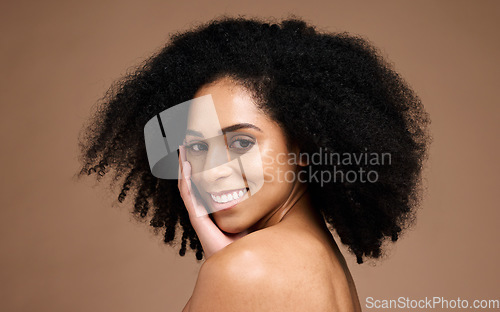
(216, 163)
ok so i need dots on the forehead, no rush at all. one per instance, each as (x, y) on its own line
(228, 104)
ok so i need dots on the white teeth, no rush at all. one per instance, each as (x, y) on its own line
(228, 197)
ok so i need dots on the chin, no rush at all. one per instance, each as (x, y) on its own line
(228, 224)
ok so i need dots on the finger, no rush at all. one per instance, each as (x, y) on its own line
(182, 182)
(198, 207)
(186, 169)
(187, 175)
(192, 205)
(182, 152)
(184, 185)
(179, 172)
(182, 159)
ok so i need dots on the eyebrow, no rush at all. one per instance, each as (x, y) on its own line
(226, 129)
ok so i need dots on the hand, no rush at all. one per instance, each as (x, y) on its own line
(211, 237)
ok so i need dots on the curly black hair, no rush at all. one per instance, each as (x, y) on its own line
(328, 91)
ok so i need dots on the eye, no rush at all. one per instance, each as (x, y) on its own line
(242, 145)
(197, 147)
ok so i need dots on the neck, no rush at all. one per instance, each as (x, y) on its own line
(296, 201)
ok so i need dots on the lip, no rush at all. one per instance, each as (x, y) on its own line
(227, 191)
(227, 205)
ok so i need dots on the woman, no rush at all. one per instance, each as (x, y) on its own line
(289, 134)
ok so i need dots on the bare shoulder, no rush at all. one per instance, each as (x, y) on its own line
(269, 270)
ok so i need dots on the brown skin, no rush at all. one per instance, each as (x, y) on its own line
(289, 261)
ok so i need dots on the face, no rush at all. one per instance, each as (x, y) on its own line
(238, 156)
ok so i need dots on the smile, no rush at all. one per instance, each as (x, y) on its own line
(228, 196)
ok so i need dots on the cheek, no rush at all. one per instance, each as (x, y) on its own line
(197, 181)
(278, 178)
(196, 162)
(273, 193)
(279, 166)
(253, 170)
(197, 168)
(269, 171)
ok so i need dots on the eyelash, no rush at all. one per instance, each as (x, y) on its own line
(248, 142)
(191, 147)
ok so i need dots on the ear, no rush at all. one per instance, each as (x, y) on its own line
(302, 158)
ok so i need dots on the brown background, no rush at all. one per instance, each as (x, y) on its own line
(66, 247)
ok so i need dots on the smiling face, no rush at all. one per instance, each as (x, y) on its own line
(233, 149)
